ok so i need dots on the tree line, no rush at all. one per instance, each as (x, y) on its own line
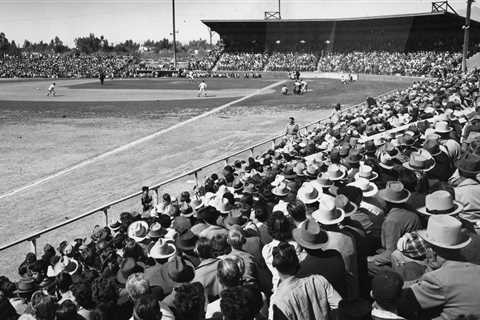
(96, 44)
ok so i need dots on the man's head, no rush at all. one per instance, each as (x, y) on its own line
(240, 303)
(285, 259)
(292, 120)
(236, 238)
(386, 289)
(137, 286)
(189, 301)
(230, 271)
(147, 308)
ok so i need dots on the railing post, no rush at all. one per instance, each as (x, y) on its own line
(226, 161)
(273, 143)
(196, 178)
(33, 245)
(156, 194)
(105, 212)
(251, 152)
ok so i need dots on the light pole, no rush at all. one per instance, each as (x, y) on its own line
(174, 37)
(466, 35)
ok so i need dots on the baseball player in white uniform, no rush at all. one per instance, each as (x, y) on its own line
(51, 90)
(202, 89)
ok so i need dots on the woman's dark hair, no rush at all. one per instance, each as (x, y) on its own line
(7, 287)
(147, 308)
(82, 292)
(66, 311)
(297, 210)
(64, 280)
(240, 303)
(261, 213)
(279, 227)
(220, 245)
(285, 259)
(166, 197)
(204, 248)
(189, 302)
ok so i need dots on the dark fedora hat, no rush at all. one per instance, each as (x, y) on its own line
(370, 147)
(235, 217)
(127, 267)
(179, 271)
(310, 235)
(208, 213)
(186, 241)
(469, 163)
(354, 157)
(26, 285)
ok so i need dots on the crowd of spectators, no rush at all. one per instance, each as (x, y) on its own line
(331, 223)
(207, 62)
(66, 66)
(292, 61)
(428, 63)
(242, 61)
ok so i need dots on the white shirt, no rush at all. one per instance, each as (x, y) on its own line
(202, 86)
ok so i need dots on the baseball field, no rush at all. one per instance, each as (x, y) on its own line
(64, 155)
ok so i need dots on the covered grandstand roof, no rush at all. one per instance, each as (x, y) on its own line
(404, 32)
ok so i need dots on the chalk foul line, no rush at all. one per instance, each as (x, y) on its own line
(136, 142)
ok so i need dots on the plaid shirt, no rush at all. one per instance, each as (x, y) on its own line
(412, 246)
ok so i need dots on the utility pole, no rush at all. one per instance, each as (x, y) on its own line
(466, 35)
(279, 12)
(174, 37)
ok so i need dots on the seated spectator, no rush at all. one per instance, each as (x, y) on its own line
(386, 290)
(307, 298)
(451, 289)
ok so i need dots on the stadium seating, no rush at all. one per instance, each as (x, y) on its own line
(392, 63)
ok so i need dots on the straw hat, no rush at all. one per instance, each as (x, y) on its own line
(444, 231)
(420, 160)
(278, 179)
(395, 192)
(386, 161)
(162, 250)
(138, 230)
(367, 173)
(308, 193)
(442, 127)
(281, 190)
(440, 202)
(328, 213)
(335, 172)
(369, 189)
(156, 231)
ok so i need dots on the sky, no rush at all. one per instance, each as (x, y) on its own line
(139, 20)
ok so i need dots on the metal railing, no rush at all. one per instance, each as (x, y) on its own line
(32, 238)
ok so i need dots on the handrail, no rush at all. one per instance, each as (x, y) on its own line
(32, 237)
